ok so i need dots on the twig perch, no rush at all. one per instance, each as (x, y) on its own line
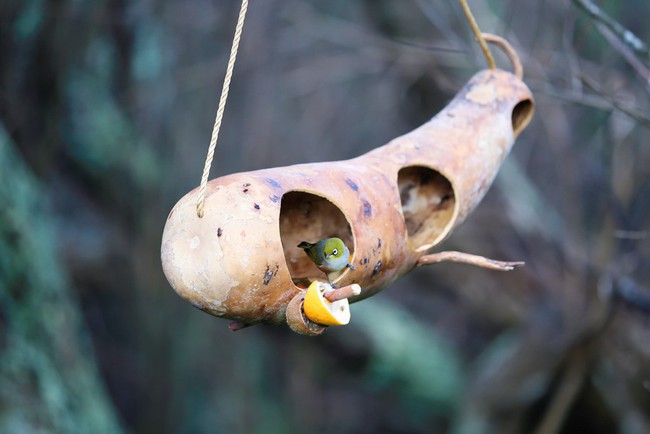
(467, 258)
(341, 293)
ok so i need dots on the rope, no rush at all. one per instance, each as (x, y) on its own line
(477, 34)
(222, 106)
(510, 52)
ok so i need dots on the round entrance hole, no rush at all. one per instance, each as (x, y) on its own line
(309, 217)
(427, 204)
(522, 113)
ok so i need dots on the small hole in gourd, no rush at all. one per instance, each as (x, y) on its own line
(522, 113)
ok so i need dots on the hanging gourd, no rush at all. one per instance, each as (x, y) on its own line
(231, 249)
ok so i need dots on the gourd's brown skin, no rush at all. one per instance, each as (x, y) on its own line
(390, 205)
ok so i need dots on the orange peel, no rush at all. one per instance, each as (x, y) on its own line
(322, 311)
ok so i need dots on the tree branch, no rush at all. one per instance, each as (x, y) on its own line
(632, 112)
(626, 36)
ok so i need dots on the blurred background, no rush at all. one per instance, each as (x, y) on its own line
(106, 110)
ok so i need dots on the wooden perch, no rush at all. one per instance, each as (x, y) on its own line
(466, 258)
(342, 293)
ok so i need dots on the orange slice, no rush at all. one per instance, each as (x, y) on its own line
(321, 311)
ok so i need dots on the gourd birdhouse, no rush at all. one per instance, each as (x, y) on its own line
(390, 206)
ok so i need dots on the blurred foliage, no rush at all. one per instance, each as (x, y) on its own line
(106, 108)
(48, 376)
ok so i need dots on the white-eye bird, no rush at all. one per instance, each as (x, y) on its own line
(330, 255)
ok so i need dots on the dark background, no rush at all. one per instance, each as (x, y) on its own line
(106, 109)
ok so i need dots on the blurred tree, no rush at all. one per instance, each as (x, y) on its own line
(106, 109)
(48, 377)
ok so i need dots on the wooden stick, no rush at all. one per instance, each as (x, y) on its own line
(466, 258)
(235, 326)
(341, 293)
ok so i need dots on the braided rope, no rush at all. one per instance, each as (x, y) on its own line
(477, 34)
(222, 105)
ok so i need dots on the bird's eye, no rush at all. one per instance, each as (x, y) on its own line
(335, 252)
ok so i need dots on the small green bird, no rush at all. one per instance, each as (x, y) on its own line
(330, 255)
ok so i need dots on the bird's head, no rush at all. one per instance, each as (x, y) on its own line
(333, 248)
